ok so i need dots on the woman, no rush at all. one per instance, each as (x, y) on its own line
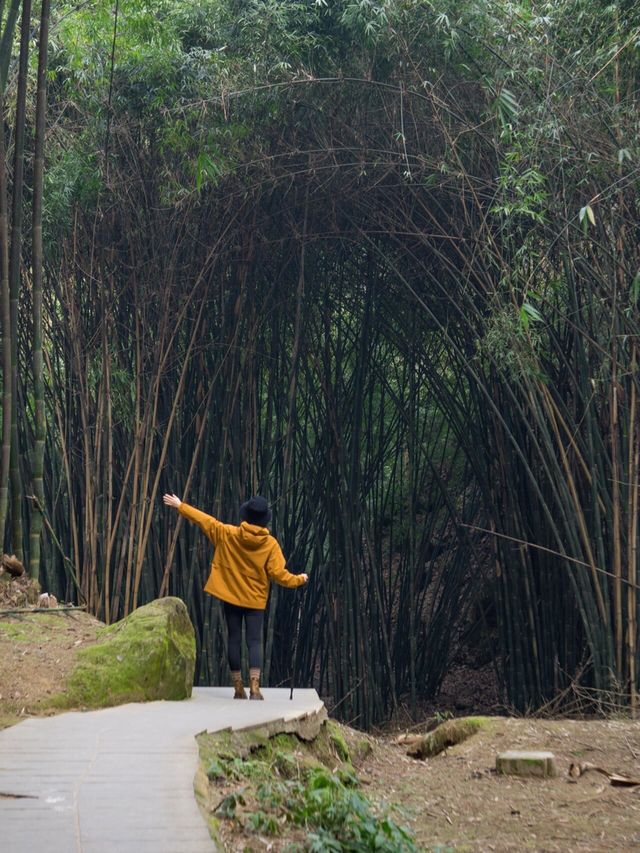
(245, 559)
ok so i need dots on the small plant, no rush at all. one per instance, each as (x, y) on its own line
(285, 765)
(263, 822)
(215, 771)
(319, 842)
(442, 716)
(347, 777)
(271, 795)
(340, 818)
(228, 805)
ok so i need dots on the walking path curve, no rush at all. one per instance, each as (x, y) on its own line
(121, 779)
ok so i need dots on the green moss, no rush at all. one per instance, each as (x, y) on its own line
(252, 754)
(338, 741)
(226, 745)
(446, 735)
(201, 791)
(15, 631)
(148, 655)
(478, 722)
(7, 720)
(213, 825)
(32, 627)
(285, 764)
(363, 750)
(252, 739)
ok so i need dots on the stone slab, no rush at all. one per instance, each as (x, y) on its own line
(526, 763)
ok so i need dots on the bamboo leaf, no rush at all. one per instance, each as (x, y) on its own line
(507, 104)
(532, 312)
(586, 216)
(206, 168)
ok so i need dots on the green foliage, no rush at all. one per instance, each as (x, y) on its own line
(285, 783)
(521, 191)
(342, 819)
(229, 804)
(263, 823)
(335, 814)
(471, 165)
(216, 771)
(443, 716)
(529, 314)
(366, 19)
(71, 179)
(586, 217)
(512, 344)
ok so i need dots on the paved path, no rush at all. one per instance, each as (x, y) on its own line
(120, 780)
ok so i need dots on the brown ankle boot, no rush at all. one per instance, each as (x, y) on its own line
(239, 687)
(254, 688)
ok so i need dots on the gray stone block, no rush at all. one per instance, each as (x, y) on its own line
(526, 763)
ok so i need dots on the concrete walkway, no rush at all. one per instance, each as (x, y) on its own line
(121, 779)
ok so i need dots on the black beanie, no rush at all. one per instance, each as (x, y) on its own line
(256, 511)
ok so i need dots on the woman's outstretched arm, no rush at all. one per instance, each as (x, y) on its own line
(277, 570)
(209, 525)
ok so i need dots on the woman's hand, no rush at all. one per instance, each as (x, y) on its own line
(172, 500)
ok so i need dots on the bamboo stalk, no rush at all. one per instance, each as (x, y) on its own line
(7, 332)
(37, 271)
(156, 482)
(14, 274)
(616, 527)
(633, 470)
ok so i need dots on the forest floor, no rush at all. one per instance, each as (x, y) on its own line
(37, 651)
(456, 801)
(451, 802)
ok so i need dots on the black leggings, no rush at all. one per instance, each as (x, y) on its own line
(253, 620)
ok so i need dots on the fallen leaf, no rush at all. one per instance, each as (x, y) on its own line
(623, 781)
(578, 769)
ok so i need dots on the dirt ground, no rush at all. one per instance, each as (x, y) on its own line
(37, 651)
(455, 801)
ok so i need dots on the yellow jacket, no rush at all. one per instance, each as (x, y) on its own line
(244, 560)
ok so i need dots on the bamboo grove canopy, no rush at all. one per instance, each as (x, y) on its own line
(375, 260)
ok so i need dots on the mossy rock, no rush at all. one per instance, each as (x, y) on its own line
(447, 734)
(148, 655)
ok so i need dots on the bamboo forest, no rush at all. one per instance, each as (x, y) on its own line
(375, 260)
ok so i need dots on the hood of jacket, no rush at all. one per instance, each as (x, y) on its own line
(253, 536)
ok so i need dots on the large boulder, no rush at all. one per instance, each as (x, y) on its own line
(148, 655)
